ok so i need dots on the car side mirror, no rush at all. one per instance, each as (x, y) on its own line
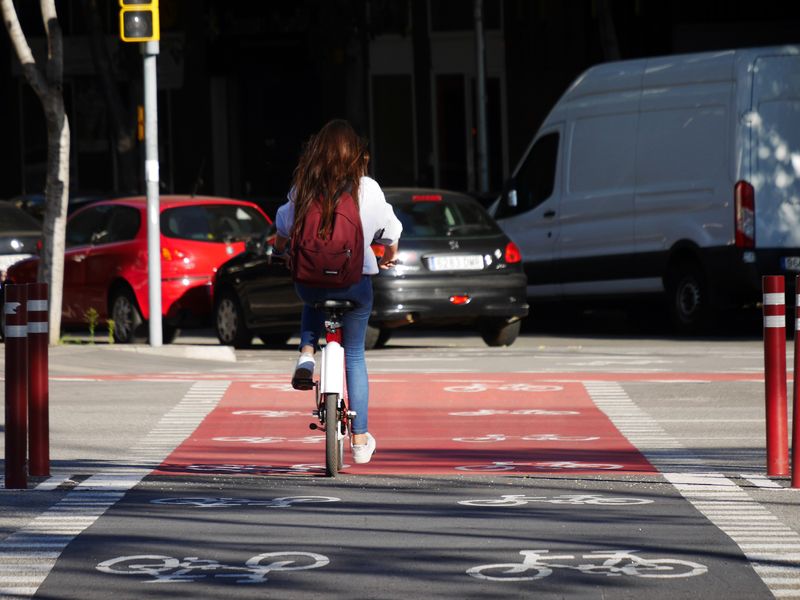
(256, 244)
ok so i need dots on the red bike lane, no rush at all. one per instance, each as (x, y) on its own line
(431, 424)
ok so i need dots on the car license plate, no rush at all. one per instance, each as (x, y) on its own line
(457, 262)
(791, 263)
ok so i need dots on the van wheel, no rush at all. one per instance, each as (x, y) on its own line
(229, 322)
(128, 320)
(688, 299)
(500, 332)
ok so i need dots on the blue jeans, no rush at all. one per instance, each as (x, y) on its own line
(353, 333)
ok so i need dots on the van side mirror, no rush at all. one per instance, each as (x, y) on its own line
(511, 198)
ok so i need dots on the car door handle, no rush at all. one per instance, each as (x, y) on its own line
(549, 214)
(79, 258)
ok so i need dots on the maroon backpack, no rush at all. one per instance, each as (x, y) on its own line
(337, 261)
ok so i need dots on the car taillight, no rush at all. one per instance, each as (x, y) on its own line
(513, 254)
(744, 214)
(460, 299)
(378, 249)
(426, 198)
(170, 254)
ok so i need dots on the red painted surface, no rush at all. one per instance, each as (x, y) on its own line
(432, 424)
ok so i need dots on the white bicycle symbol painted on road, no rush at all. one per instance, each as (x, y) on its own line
(309, 439)
(522, 499)
(284, 502)
(534, 437)
(488, 412)
(167, 569)
(229, 469)
(270, 414)
(537, 564)
(541, 465)
(472, 388)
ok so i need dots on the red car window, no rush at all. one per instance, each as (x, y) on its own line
(213, 222)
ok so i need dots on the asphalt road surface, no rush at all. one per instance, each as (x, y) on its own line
(602, 466)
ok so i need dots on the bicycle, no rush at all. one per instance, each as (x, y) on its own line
(330, 389)
(537, 564)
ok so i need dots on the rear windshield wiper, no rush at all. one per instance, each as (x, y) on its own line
(464, 227)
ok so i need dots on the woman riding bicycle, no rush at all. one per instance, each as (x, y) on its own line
(333, 160)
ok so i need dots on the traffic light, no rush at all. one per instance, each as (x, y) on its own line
(138, 21)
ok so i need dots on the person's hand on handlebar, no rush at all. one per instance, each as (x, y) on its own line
(389, 258)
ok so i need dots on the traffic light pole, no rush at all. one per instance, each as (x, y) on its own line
(151, 177)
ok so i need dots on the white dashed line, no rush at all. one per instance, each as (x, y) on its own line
(760, 535)
(29, 554)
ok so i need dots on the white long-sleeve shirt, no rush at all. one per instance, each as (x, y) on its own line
(377, 220)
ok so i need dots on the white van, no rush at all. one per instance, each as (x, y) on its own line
(677, 175)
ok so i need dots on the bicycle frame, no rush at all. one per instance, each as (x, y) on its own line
(330, 391)
(332, 367)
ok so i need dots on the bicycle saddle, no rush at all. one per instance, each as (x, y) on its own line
(342, 305)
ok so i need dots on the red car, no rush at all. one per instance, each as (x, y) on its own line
(105, 263)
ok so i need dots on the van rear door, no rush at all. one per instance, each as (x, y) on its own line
(776, 151)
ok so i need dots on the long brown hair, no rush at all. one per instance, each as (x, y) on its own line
(333, 160)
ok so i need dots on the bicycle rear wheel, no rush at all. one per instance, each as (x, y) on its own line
(332, 447)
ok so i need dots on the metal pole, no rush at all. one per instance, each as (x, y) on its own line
(480, 99)
(151, 176)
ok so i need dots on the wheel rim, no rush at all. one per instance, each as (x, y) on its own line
(688, 299)
(227, 320)
(123, 318)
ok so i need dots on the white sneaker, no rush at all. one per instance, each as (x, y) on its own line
(362, 453)
(303, 378)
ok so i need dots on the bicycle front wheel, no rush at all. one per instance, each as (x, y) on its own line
(332, 447)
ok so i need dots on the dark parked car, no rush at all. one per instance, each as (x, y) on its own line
(20, 234)
(455, 267)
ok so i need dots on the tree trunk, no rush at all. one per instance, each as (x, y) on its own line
(48, 88)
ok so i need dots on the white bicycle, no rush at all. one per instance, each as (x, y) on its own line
(330, 389)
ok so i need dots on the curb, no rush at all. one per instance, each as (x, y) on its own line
(216, 353)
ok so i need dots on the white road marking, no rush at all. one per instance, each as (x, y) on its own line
(53, 530)
(748, 523)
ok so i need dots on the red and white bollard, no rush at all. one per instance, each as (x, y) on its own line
(16, 372)
(795, 387)
(775, 375)
(38, 384)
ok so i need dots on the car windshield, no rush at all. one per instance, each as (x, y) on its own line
(440, 217)
(213, 222)
(14, 219)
